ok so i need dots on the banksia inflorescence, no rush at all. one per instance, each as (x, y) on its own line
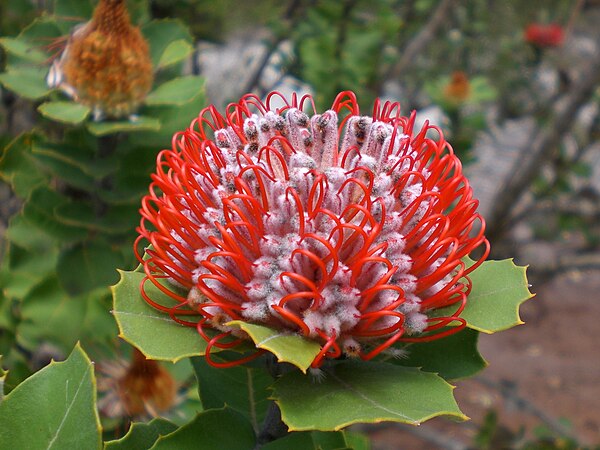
(106, 63)
(349, 230)
(137, 388)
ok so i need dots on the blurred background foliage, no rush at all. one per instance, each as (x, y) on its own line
(70, 214)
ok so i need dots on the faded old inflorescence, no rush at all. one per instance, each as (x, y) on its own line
(106, 63)
(347, 229)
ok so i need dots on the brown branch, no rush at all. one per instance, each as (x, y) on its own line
(417, 44)
(541, 147)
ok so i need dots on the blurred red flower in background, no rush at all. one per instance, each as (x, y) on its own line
(347, 229)
(540, 35)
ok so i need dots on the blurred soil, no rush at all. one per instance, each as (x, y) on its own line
(552, 363)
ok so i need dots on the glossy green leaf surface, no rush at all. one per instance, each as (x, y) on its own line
(53, 409)
(358, 392)
(175, 52)
(154, 333)
(211, 430)
(290, 348)
(65, 112)
(141, 123)
(242, 388)
(455, 356)
(177, 91)
(499, 289)
(142, 436)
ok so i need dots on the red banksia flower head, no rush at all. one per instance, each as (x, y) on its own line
(347, 229)
(106, 63)
(540, 35)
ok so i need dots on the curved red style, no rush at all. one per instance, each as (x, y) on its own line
(347, 229)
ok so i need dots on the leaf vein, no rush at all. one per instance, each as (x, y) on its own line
(62, 422)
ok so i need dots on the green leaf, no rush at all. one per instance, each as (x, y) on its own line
(173, 119)
(358, 392)
(290, 348)
(210, 430)
(23, 50)
(160, 33)
(26, 270)
(176, 92)
(499, 288)
(60, 167)
(3, 374)
(79, 9)
(242, 388)
(49, 314)
(24, 234)
(53, 409)
(28, 83)
(18, 167)
(141, 436)
(452, 357)
(80, 155)
(39, 211)
(154, 333)
(175, 52)
(114, 221)
(65, 112)
(141, 123)
(88, 265)
(315, 440)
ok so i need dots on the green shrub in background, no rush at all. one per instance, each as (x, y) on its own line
(80, 181)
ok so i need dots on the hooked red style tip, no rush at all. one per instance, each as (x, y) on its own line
(346, 229)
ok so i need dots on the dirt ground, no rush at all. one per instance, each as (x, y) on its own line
(548, 369)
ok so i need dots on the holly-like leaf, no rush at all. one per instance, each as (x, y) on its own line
(175, 52)
(142, 436)
(65, 112)
(287, 347)
(53, 409)
(141, 123)
(358, 392)
(154, 333)
(210, 430)
(242, 388)
(452, 357)
(499, 289)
